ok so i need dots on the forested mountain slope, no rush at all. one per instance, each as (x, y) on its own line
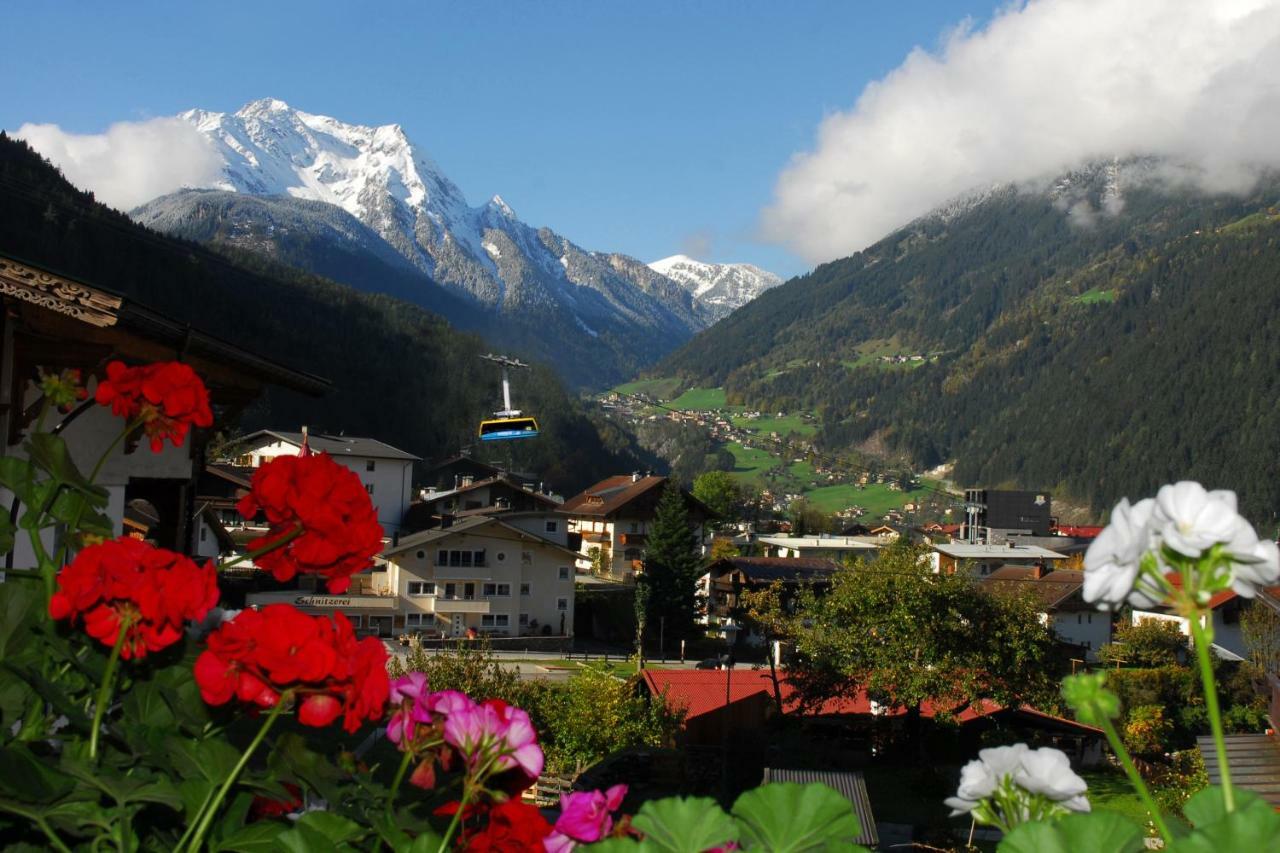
(1066, 347)
(400, 373)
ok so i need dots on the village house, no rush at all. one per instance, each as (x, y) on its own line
(385, 471)
(496, 494)
(982, 558)
(1059, 594)
(726, 579)
(613, 517)
(503, 577)
(53, 322)
(823, 546)
(454, 471)
(1224, 611)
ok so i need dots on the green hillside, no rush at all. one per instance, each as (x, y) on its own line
(1096, 361)
(400, 373)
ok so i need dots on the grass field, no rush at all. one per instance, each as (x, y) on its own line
(1094, 296)
(700, 399)
(750, 463)
(1110, 791)
(877, 498)
(661, 388)
(787, 425)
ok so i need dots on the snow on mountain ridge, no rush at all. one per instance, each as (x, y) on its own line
(722, 288)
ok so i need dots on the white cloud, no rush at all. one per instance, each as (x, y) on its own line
(132, 162)
(1044, 87)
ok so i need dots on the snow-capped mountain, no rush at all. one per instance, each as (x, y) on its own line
(530, 276)
(722, 288)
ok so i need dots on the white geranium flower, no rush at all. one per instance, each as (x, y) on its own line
(1111, 564)
(1048, 771)
(1256, 562)
(980, 777)
(1191, 520)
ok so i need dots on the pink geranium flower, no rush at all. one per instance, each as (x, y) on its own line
(408, 694)
(584, 818)
(494, 734)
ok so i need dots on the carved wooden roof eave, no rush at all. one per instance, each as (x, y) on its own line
(55, 293)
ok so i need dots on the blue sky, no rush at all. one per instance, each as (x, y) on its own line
(646, 128)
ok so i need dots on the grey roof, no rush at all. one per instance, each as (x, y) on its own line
(337, 445)
(465, 525)
(982, 551)
(849, 784)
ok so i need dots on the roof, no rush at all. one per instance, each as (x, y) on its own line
(234, 474)
(1078, 531)
(701, 691)
(776, 568)
(466, 525)
(849, 784)
(852, 543)
(983, 551)
(1051, 589)
(610, 494)
(515, 485)
(1216, 601)
(335, 445)
(104, 308)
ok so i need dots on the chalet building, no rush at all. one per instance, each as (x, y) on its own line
(613, 517)
(55, 322)
(385, 471)
(1060, 596)
(457, 471)
(1003, 514)
(493, 495)
(824, 546)
(1224, 610)
(983, 558)
(727, 578)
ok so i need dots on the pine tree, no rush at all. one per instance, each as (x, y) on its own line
(672, 564)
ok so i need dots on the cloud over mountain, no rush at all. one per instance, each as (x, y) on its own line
(1045, 86)
(131, 162)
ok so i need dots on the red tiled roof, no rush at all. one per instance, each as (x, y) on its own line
(1051, 590)
(610, 495)
(1078, 531)
(701, 691)
(1215, 602)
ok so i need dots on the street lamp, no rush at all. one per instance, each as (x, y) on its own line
(730, 634)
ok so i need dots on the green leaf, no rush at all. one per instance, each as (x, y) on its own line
(1105, 832)
(685, 824)
(260, 837)
(1253, 825)
(145, 704)
(27, 778)
(18, 476)
(211, 760)
(305, 839)
(334, 827)
(427, 842)
(786, 816)
(50, 454)
(21, 606)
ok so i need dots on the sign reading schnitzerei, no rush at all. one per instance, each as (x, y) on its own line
(321, 601)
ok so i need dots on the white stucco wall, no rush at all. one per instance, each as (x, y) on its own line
(1091, 629)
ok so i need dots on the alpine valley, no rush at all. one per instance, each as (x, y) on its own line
(366, 207)
(1095, 336)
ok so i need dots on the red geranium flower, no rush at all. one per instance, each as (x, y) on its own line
(128, 582)
(168, 396)
(259, 654)
(327, 503)
(513, 827)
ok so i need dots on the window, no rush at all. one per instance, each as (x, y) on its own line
(421, 588)
(491, 589)
(524, 620)
(495, 620)
(451, 590)
(502, 555)
(368, 466)
(526, 589)
(553, 526)
(562, 604)
(564, 573)
(469, 591)
(635, 527)
(204, 533)
(422, 555)
(460, 559)
(355, 621)
(368, 487)
(413, 620)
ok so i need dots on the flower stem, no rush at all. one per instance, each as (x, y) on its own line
(1203, 638)
(104, 691)
(1117, 746)
(457, 816)
(395, 785)
(106, 454)
(206, 815)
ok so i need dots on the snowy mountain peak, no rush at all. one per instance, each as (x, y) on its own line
(723, 288)
(497, 204)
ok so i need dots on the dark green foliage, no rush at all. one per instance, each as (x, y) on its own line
(399, 372)
(1151, 642)
(672, 564)
(1034, 387)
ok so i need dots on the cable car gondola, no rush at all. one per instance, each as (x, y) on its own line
(508, 423)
